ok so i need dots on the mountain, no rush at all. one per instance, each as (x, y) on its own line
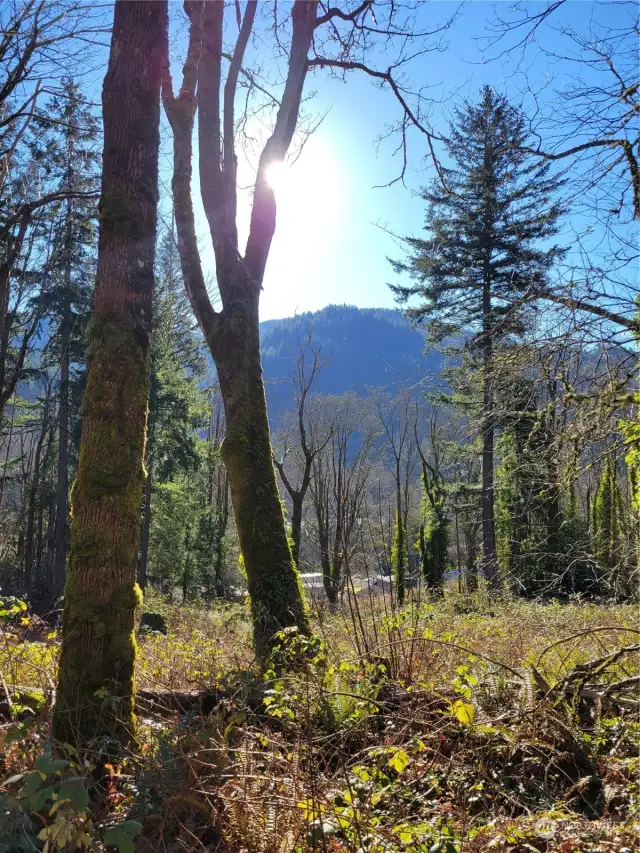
(365, 347)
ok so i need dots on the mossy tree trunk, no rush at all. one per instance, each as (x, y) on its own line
(274, 589)
(434, 537)
(95, 695)
(232, 333)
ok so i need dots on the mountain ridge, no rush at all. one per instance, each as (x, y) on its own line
(364, 348)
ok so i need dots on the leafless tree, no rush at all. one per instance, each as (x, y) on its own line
(340, 473)
(307, 443)
(218, 77)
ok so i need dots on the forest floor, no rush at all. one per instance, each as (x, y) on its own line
(463, 725)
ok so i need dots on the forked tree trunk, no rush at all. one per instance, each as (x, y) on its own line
(232, 334)
(274, 586)
(96, 674)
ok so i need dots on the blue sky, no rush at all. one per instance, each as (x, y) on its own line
(332, 241)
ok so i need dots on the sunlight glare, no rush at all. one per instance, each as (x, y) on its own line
(276, 175)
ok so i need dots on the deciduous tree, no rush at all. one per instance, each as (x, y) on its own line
(95, 693)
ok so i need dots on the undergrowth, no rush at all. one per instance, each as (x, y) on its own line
(448, 726)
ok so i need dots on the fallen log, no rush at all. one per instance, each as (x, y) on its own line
(149, 703)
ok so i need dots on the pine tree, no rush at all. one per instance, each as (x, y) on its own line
(177, 406)
(482, 255)
(64, 144)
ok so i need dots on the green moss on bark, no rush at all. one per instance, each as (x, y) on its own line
(96, 682)
(275, 590)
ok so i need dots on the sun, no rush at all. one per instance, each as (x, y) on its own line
(277, 174)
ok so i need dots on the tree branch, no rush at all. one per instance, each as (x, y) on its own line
(229, 165)
(180, 112)
(263, 213)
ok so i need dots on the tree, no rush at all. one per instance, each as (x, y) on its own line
(591, 131)
(97, 657)
(434, 529)
(398, 428)
(176, 403)
(64, 142)
(338, 484)
(334, 37)
(481, 257)
(606, 518)
(215, 518)
(39, 39)
(309, 443)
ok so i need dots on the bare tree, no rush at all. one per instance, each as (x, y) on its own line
(590, 126)
(338, 485)
(308, 443)
(312, 35)
(397, 420)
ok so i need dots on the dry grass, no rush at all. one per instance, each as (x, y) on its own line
(369, 745)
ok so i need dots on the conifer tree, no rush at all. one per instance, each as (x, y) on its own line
(64, 144)
(176, 403)
(483, 254)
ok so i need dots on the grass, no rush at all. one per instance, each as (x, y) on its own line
(434, 729)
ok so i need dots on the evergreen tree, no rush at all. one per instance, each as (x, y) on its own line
(482, 255)
(177, 406)
(64, 144)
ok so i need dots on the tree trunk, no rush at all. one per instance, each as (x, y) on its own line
(34, 487)
(274, 586)
(62, 488)
(470, 536)
(328, 574)
(296, 528)
(95, 696)
(489, 565)
(218, 577)
(186, 573)
(399, 540)
(233, 333)
(39, 545)
(143, 564)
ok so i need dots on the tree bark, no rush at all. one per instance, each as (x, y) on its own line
(233, 333)
(400, 535)
(274, 586)
(34, 488)
(62, 487)
(95, 695)
(489, 565)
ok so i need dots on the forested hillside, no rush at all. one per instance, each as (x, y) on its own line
(364, 348)
(357, 580)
